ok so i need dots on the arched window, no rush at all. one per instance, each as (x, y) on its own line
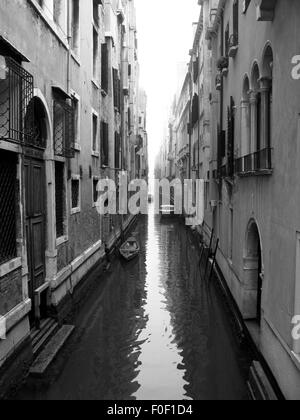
(236, 21)
(267, 95)
(255, 100)
(246, 119)
(35, 124)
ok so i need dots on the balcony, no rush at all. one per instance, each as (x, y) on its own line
(255, 164)
(16, 93)
(233, 45)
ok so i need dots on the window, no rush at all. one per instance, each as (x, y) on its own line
(235, 19)
(129, 120)
(63, 132)
(60, 198)
(95, 190)
(231, 234)
(95, 55)
(104, 144)
(104, 67)
(60, 14)
(76, 109)
(75, 40)
(206, 195)
(246, 4)
(117, 150)
(227, 36)
(95, 148)
(16, 93)
(96, 4)
(8, 192)
(117, 90)
(75, 194)
(195, 110)
(196, 69)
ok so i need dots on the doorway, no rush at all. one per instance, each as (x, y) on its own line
(35, 232)
(35, 209)
(253, 272)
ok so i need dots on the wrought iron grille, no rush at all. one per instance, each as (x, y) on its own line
(60, 199)
(64, 129)
(8, 177)
(16, 92)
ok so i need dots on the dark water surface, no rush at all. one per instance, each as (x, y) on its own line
(153, 330)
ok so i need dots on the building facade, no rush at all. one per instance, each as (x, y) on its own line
(254, 107)
(244, 142)
(68, 118)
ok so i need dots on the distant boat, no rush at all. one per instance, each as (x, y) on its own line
(167, 210)
(130, 249)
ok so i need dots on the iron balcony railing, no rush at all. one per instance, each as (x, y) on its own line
(254, 162)
(16, 93)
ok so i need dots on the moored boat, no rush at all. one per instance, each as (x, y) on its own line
(130, 249)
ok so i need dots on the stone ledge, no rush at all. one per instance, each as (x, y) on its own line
(65, 273)
(10, 266)
(17, 314)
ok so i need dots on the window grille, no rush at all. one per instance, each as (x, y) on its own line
(16, 93)
(64, 133)
(8, 187)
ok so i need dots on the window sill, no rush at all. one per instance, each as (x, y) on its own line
(10, 266)
(233, 51)
(296, 359)
(62, 240)
(96, 84)
(261, 172)
(51, 24)
(225, 72)
(75, 210)
(76, 58)
(77, 147)
(95, 154)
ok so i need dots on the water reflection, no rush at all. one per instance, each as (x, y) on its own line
(152, 330)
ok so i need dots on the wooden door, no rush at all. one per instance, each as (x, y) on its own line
(35, 225)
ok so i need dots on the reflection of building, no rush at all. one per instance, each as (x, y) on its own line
(64, 124)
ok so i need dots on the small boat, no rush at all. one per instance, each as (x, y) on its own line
(167, 211)
(130, 249)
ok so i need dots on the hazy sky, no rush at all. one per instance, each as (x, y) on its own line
(165, 35)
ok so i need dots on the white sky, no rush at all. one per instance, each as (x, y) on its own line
(165, 36)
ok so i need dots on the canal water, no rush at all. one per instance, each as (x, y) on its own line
(152, 330)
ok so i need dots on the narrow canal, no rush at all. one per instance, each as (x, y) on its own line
(151, 330)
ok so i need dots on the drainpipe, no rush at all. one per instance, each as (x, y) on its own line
(69, 37)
